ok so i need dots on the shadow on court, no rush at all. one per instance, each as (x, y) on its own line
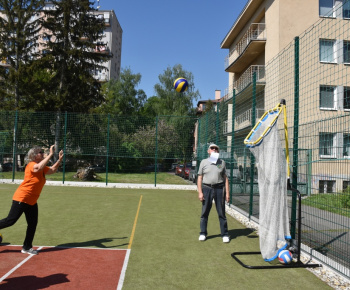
(99, 243)
(33, 283)
(235, 233)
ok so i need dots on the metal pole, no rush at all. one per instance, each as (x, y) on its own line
(156, 154)
(252, 161)
(232, 139)
(64, 146)
(14, 161)
(295, 137)
(107, 156)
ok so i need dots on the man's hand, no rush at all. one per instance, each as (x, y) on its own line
(201, 196)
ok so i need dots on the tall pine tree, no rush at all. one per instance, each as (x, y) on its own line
(19, 32)
(71, 55)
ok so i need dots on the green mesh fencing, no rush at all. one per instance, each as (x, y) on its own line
(312, 74)
(106, 144)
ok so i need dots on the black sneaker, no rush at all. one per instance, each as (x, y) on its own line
(30, 251)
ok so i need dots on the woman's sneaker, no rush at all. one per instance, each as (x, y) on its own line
(30, 251)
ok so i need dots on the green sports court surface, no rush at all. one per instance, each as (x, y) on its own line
(109, 238)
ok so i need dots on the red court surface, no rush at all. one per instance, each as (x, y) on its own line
(62, 268)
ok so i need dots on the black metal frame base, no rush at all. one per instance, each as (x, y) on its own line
(298, 263)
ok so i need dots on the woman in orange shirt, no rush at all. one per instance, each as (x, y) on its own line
(27, 194)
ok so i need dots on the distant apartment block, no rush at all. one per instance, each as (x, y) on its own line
(110, 43)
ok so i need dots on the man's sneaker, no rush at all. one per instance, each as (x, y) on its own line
(226, 239)
(202, 238)
(30, 251)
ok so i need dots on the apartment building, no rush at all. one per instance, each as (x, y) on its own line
(110, 43)
(263, 30)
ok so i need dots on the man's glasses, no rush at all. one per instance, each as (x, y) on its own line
(41, 152)
(214, 148)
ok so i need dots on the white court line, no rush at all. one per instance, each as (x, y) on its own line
(122, 274)
(16, 267)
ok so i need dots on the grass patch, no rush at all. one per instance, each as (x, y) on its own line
(138, 178)
(332, 202)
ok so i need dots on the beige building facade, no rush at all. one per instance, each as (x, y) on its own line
(263, 41)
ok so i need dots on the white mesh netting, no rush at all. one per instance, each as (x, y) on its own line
(272, 180)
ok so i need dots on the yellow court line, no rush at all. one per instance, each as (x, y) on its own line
(135, 222)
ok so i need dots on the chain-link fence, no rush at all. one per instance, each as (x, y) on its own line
(312, 75)
(96, 143)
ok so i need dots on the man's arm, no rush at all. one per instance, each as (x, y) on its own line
(227, 189)
(199, 186)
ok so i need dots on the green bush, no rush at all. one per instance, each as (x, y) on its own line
(345, 198)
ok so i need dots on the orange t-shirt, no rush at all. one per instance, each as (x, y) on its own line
(30, 189)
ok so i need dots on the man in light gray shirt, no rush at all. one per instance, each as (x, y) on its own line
(212, 173)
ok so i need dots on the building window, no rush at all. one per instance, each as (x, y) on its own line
(326, 186)
(327, 50)
(346, 9)
(346, 184)
(346, 145)
(346, 99)
(346, 51)
(46, 37)
(327, 97)
(327, 145)
(326, 8)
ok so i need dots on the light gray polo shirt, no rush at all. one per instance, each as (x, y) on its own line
(212, 173)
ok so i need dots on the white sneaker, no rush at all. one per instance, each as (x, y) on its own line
(30, 251)
(202, 238)
(226, 239)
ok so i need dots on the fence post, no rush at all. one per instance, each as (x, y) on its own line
(217, 125)
(156, 154)
(107, 156)
(198, 142)
(64, 146)
(232, 139)
(14, 162)
(295, 137)
(252, 160)
(309, 170)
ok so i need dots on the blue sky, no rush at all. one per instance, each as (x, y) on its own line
(161, 33)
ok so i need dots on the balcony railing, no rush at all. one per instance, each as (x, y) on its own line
(245, 80)
(242, 121)
(101, 77)
(5, 63)
(102, 49)
(256, 31)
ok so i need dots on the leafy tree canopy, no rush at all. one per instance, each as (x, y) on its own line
(170, 102)
(122, 96)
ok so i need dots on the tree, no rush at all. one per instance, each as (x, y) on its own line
(170, 101)
(71, 54)
(122, 97)
(19, 27)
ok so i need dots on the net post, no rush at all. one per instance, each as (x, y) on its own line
(295, 136)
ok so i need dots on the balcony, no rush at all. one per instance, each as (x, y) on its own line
(101, 77)
(247, 49)
(242, 121)
(104, 49)
(107, 22)
(5, 63)
(246, 80)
